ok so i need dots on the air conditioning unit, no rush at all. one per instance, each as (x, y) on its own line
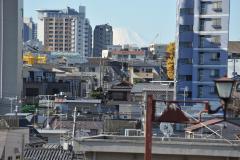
(132, 132)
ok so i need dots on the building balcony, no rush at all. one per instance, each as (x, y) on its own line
(217, 26)
(217, 9)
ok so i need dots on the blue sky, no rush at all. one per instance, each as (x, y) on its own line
(146, 17)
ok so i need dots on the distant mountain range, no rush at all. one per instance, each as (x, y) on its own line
(123, 36)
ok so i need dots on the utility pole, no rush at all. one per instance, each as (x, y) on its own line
(74, 124)
(47, 126)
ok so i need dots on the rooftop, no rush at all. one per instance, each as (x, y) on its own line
(140, 87)
(163, 146)
(128, 52)
(234, 47)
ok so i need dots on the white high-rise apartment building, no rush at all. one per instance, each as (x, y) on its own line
(65, 30)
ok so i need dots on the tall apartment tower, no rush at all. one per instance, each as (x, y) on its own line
(201, 47)
(65, 30)
(11, 28)
(103, 36)
(29, 29)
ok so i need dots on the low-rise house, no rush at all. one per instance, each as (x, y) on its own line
(144, 71)
(12, 141)
(120, 91)
(160, 90)
(41, 80)
(124, 55)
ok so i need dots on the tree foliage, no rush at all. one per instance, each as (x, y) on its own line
(170, 60)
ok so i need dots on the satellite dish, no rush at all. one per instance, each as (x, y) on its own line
(166, 129)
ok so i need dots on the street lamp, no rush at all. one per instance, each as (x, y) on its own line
(224, 88)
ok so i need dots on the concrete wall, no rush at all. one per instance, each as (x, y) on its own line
(13, 141)
(136, 156)
(11, 28)
(171, 148)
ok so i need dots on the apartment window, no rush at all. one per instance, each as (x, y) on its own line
(200, 91)
(202, 24)
(215, 56)
(148, 70)
(136, 70)
(200, 74)
(186, 11)
(133, 56)
(213, 90)
(202, 41)
(217, 6)
(201, 58)
(216, 40)
(203, 7)
(185, 60)
(216, 23)
(186, 44)
(185, 28)
(214, 73)
(185, 77)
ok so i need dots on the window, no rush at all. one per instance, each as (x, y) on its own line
(185, 44)
(216, 23)
(136, 70)
(202, 41)
(185, 28)
(215, 56)
(203, 7)
(10, 158)
(200, 74)
(213, 90)
(214, 73)
(217, 6)
(216, 40)
(133, 56)
(201, 58)
(148, 70)
(202, 24)
(185, 77)
(186, 11)
(200, 91)
(18, 157)
(185, 60)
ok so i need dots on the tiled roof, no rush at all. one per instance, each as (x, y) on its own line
(234, 47)
(87, 125)
(46, 153)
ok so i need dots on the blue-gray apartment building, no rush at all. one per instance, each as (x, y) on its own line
(201, 47)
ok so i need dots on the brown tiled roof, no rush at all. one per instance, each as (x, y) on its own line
(234, 47)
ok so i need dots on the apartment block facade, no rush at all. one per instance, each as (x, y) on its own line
(201, 47)
(29, 29)
(65, 30)
(103, 37)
